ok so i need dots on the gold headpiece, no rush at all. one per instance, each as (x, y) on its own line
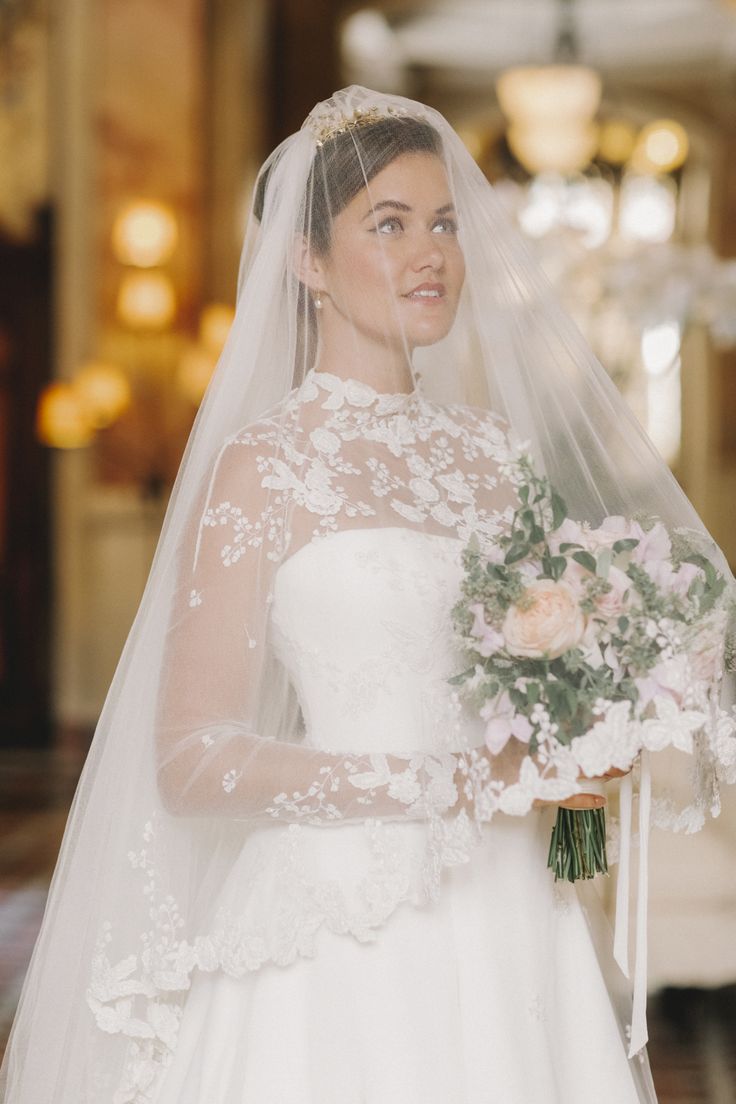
(327, 124)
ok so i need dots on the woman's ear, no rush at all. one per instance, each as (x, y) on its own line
(307, 267)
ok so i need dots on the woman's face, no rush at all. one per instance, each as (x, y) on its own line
(395, 270)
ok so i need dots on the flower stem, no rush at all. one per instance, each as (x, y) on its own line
(578, 845)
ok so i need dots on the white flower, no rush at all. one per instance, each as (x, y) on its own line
(611, 742)
(723, 746)
(518, 799)
(230, 780)
(456, 487)
(672, 727)
(165, 1023)
(359, 393)
(411, 513)
(379, 776)
(442, 513)
(404, 787)
(324, 441)
(424, 490)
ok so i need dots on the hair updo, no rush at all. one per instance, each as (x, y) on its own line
(346, 163)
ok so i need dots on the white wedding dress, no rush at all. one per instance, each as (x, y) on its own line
(494, 994)
(348, 962)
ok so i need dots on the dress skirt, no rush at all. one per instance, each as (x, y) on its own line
(495, 994)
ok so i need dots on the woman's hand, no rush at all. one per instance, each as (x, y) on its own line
(585, 800)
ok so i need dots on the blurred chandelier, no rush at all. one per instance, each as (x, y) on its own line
(551, 108)
(607, 240)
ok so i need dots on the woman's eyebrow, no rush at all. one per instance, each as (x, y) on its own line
(398, 206)
(395, 203)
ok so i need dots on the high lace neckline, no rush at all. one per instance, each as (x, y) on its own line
(336, 391)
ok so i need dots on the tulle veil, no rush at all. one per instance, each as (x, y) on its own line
(151, 838)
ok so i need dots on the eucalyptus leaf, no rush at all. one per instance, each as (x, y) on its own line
(604, 563)
(559, 510)
(515, 553)
(559, 563)
(585, 559)
(625, 544)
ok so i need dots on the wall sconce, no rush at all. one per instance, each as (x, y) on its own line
(194, 372)
(661, 147)
(103, 390)
(62, 421)
(145, 234)
(617, 141)
(159, 370)
(198, 362)
(146, 301)
(214, 326)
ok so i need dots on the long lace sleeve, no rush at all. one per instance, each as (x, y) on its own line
(212, 760)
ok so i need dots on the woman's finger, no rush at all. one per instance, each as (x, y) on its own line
(614, 772)
(577, 801)
(583, 801)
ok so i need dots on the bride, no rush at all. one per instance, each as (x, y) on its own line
(294, 872)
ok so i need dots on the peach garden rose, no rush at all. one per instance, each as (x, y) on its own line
(547, 622)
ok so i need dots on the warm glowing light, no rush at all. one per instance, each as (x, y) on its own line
(61, 418)
(616, 141)
(648, 208)
(583, 204)
(145, 233)
(661, 147)
(214, 326)
(146, 300)
(660, 347)
(104, 391)
(194, 372)
(472, 140)
(660, 354)
(550, 110)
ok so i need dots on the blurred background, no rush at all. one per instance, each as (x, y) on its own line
(130, 135)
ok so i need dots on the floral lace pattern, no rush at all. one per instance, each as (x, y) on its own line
(329, 544)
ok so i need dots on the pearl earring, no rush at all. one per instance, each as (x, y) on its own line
(318, 300)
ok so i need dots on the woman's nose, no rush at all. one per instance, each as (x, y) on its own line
(428, 253)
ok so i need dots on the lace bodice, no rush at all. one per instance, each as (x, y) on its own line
(306, 686)
(327, 557)
(360, 622)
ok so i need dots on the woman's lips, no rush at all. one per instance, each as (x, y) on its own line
(426, 293)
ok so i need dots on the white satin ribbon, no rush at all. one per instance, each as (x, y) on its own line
(639, 1034)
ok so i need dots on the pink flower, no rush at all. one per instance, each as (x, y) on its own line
(490, 639)
(614, 602)
(668, 678)
(663, 574)
(570, 532)
(503, 723)
(576, 576)
(552, 624)
(706, 656)
(653, 545)
(610, 530)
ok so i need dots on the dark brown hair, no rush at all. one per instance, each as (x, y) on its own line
(346, 163)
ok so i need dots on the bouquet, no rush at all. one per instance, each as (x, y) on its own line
(587, 645)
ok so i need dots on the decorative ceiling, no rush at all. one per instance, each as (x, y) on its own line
(473, 38)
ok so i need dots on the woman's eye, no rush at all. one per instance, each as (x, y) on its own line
(445, 226)
(389, 225)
